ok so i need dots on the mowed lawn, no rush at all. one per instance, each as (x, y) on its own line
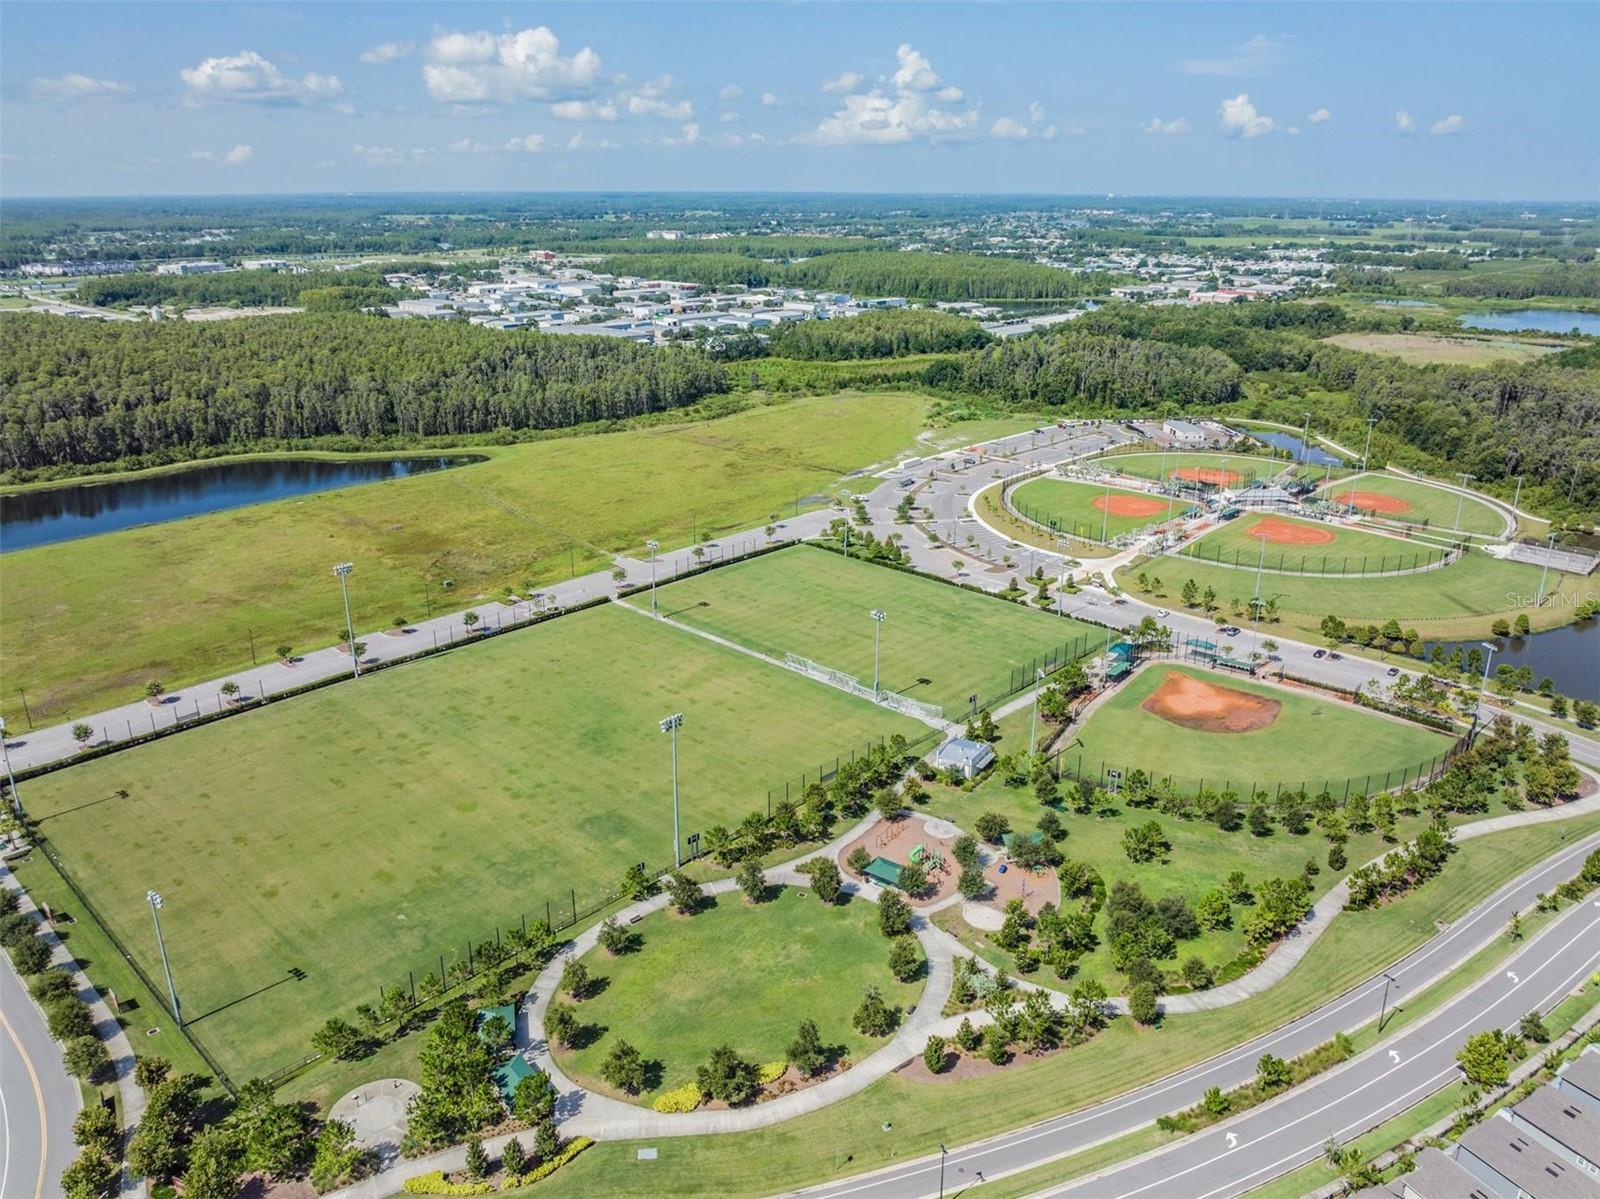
(1314, 739)
(89, 622)
(1455, 600)
(1238, 542)
(940, 644)
(1079, 508)
(366, 829)
(738, 974)
(1158, 466)
(1432, 506)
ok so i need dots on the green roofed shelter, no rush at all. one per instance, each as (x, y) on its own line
(1124, 649)
(509, 1073)
(884, 872)
(506, 1012)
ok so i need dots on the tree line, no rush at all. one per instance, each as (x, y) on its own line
(80, 392)
(1564, 279)
(882, 333)
(247, 289)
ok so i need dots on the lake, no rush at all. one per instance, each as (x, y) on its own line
(1292, 443)
(1569, 655)
(1545, 320)
(34, 518)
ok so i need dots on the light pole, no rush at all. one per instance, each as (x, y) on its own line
(1461, 497)
(343, 571)
(1261, 561)
(1033, 727)
(653, 546)
(1517, 499)
(155, 900)
(1538, 600)
(671, 724)
(1483, 684)
(1305, 442)
(942, 1152)
(1366, 453)
(1383, 1008)
(878, 617)
(11, 779)
(1105, 515)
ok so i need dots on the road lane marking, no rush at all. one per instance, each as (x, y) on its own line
(38, 1099)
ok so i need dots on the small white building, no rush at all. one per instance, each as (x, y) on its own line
(968, 757)
(1184, 432)
(191, 268)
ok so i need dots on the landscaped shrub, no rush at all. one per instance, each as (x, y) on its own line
(435, 1183)
(551, 1164)
(680, 1099)
(769, 1072)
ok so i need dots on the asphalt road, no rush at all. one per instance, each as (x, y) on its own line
(37, 1098)
(1358, 1096)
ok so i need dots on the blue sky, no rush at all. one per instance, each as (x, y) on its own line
(1460, 100)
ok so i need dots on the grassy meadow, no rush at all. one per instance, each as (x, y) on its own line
(1427, 349)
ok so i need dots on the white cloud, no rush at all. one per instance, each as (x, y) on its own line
(248, 78)
(908, 112)
(1255, 57)
(394, 156)
(1239, 116)
(1292, 130)
(582, 141)
(532, 144)
(1320, 116)
(768, 100)
(74, 86)
(1454, 123)
(730, 91)
(654, 98)
(728, 118)
(1009, 129)
(739, 139)
(1404, 121)
(1176, 127)
(466, 145)
(584, 110)
(688, 135)
(472, 68)
(239, 155)
(839, 84)
(388, 52)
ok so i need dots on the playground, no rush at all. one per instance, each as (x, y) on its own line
(1296, 546)
(1091, 510)
(911, 838)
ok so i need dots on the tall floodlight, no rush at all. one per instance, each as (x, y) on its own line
(878, 617)
(1366, 453)
(1261, 561)
(1517, 499)
(1105, 515)
(1305, 439)
(1483, 684)
(1461, 497)
(11, 779)
(1033, 727)
(671, 724)
(156, 903)
(343, 571)
(1549, 546)
(653, 546)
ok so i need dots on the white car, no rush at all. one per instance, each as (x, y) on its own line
(1162, 612)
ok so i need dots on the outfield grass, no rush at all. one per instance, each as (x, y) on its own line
(849, 1137)
(939, 643)
(737, 974)
(987, 504)
(1314, 740)
(187, 595)
(1459, 600)
(1432, 506)
(1426, 349)
(1153, 464)
(365, 829)
(1351, 551)
(1071, 508)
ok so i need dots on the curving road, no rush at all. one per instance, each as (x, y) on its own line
(38, 1100)
(1290, 1131)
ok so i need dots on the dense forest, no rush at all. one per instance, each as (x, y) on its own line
(917, 275)
(886, 333)
(1568, 279)
(79, 392)
(247, 289)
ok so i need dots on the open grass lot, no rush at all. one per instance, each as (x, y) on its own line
(739, 974)
(1085, 510)
(1432, 506)
(361, 831)
(1425, 348)
(940, 644)
(924, 1115)
(1333, 549)
(1158, 466)
(88, 622)
(1456, 600)
(1314, 739)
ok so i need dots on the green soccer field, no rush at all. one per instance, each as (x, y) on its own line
(940, 644)
(1075, 508)
(1432, 506)
(1349, 551)
(366, 829)
(1314, 739)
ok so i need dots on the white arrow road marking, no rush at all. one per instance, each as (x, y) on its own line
(1395, 1057)
(1233, 1140)
(1514, 979)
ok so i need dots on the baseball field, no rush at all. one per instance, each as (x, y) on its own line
(1415, 503)
(1092, 511)
(1292, 545)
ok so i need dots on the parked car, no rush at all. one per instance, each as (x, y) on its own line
(1162, 612)
(1393, 670)
(1321, 653)
(1335, 656)
(1229, 630)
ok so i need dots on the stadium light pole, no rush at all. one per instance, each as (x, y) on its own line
(1461, 497)
(1367, 453)
(878, 617)
(1261, 561)
(1517, 499)
(1033, 726)
(156, 902)
(1550, 545)
(11, 779)
(1483, 684)
(1105, 515)
(343, 571)
(653, 546)
(1305, 443)
(671, 724)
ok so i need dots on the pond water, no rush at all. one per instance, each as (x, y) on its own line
(1545, 320)
(33, 518)
(1291, 442)
(1569, 655)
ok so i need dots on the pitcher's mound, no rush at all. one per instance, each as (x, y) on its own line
(1285, 532)
(1197, 704)
(1129, 505)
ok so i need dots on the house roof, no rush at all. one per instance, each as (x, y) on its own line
(509, 1073)
(958, 751)
(1563, 1119)
(1439, 1177)
(1528, 1165)
(1582, 1075)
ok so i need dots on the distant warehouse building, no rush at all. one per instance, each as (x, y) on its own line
(191, 268)
(1185, 432)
